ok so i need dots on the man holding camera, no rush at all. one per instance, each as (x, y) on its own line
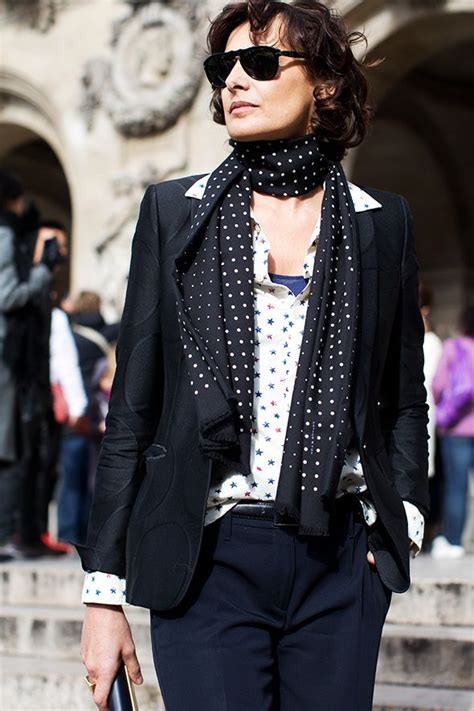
(28, 256)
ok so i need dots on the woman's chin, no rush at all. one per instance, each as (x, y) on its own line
(242, 130)
(251, 133)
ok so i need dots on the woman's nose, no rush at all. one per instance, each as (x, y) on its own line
(237, 77)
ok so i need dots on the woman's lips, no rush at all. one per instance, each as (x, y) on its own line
(242, 109)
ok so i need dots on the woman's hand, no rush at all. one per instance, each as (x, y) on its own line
(370, 558)
(106, 643)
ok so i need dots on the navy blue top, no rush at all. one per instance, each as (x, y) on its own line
(295, 284)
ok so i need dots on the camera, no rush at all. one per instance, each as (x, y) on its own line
(51, 254)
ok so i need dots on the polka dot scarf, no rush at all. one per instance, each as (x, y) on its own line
(215, 280)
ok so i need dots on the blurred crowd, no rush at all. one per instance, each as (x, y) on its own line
(57, 364)
(449, 381)
(56, 368)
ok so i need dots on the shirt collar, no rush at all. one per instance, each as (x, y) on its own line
(362, 200)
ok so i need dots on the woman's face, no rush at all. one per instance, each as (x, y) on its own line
(281, 107)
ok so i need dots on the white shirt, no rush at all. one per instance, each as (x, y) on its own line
(64, 363)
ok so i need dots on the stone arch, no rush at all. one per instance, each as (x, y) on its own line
(24, 105)
(415, 145)
(411, 31)
(30, 147)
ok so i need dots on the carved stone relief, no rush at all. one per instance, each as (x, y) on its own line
(154, 73)
(38, 14)
(113, 250)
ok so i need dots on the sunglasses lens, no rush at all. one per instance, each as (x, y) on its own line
(218, 68)
(260, 64)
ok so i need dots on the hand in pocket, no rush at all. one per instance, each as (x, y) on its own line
(371, 559)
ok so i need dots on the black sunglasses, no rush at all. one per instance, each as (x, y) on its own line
(259, 62)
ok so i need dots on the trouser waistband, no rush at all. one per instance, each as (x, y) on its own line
(255, 509)
(265, 510)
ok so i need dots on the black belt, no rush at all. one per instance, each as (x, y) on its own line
(257, 509)
(265, 510)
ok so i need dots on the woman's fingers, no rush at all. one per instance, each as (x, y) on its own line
(133, 666)
(370, 558)
(106, 644)
(102, 690)
(105, 679)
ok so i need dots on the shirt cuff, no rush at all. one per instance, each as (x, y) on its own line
(416, 527)
(104, 588)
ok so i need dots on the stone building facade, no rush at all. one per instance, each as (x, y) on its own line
(99, 99)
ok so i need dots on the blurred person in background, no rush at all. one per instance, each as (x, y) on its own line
(69, 396)
(101, 386)
(41, 472)
(42, 481)
(91, 332)
(80, 441)
(26, 267)
(432, 347)
(453, 389)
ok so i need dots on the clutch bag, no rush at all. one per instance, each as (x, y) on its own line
(122, 694)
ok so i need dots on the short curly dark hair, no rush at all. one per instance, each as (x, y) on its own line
(342, 110)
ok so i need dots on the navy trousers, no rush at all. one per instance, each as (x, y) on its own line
(74, 495)
(458, 458)
(274, 621)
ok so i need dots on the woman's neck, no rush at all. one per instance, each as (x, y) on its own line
(294, 206)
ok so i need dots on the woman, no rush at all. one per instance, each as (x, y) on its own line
(453, 389)
(269, 378)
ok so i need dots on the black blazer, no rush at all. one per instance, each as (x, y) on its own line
(152, 480)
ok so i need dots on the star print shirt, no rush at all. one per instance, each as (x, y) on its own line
(280, 310)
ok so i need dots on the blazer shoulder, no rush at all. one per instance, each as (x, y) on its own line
(176, 186)
(395, 209)
(173, 208)
(384, 196)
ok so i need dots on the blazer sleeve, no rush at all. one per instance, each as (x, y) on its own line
(135, 401)
(405, 419)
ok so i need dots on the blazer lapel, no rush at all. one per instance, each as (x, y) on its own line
(201, 209)
(367, 316)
